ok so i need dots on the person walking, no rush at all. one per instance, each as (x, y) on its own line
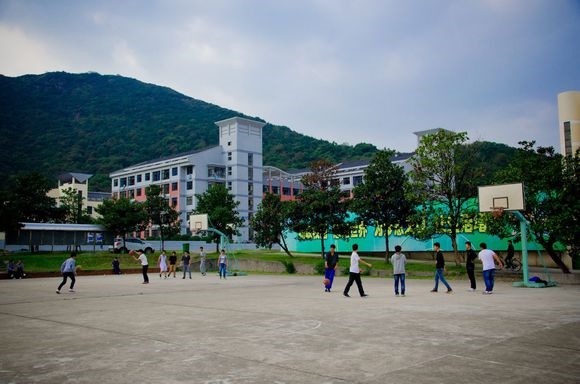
(172, 263)
(398, 260)
(68, 270)
(185, 262)
(488, 258)
(142, 258)
(470, 265)
(330, 265)
(440, 269)
(354, 272)
(223, 263)
(162, 263)
(202, 260)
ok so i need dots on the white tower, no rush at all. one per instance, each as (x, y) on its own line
(241, 141)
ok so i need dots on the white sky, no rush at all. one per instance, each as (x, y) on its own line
(344, 71)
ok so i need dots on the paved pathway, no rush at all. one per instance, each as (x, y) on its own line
(284, 329)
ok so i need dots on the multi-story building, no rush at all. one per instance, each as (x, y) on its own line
(79, 182)
(236, 162)
(348, 175)
(569, 122)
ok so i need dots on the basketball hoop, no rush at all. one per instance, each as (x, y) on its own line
(497, 212)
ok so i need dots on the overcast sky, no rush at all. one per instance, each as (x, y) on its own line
(344, 71)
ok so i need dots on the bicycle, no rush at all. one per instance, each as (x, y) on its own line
(515, 266)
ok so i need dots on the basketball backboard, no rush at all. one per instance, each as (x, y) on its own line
(507, 197)
(198, 222)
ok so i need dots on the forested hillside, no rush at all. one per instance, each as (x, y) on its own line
(60, 122)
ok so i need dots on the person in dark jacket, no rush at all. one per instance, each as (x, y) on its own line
(470, 265)
(440, 269)
(330, 265)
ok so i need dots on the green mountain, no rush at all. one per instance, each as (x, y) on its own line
(61, 122)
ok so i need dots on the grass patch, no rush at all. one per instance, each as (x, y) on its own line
(49, 262)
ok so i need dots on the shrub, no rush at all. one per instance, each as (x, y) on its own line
(290, 268)
(319, 268)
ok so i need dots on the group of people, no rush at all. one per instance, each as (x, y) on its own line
(168, 265)
(331, 264)
(398, 260)
(15, 269)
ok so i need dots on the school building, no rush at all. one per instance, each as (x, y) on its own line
(236, 162)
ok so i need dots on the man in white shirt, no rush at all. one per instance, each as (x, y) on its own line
(488, 258)
(144, 264)
(354, 272)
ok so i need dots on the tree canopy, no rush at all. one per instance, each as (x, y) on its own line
(381, 200)
(321, 208)
(221, 208)
(270, 222)
(444, 178)
(550, 209)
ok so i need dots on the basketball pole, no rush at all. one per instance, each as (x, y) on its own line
(524, 235)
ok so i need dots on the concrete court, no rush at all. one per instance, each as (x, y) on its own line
(284, 329)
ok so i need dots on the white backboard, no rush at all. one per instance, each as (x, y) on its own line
(509, 197)
(198, 222)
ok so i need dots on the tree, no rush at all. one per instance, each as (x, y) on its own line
(71, 202)
(121, 216)
(30, 201)
(160, 213)
(220, 207)
(444, 170)
(568, 224)
(380, 201)
(26, 200)
(320, 209)
(550, 209)
(270, 222)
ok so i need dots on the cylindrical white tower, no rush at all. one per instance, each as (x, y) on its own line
(569, 121)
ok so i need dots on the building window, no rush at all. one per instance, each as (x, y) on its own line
(250, 204)
(189, 200)
(123, 182)
(286, 191)
(131, 180)
(250, 188)
(229, 143)
(138, 191)
(275, 190)
(166, 188)
(147, 176)
(156, 175)
(356, 180)
(250, 159)
(174, 171)
(250, 173)
(229, 185)
(189, 169)
(345, 180)
(174, 186)
(189, 185)
(229, 171)
(568, 138)
(229, 156)
(90, 210)
(131, 193)
(174, 202)
(139, 178)
(115, 182)
(165, 174)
